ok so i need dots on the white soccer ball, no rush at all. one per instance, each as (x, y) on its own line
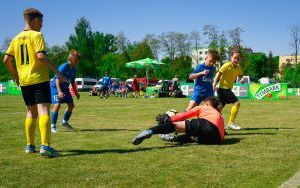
(171, 112)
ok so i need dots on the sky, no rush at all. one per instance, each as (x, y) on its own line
(265, 22)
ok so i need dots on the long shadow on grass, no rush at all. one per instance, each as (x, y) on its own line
(266, 128)
(230, 141)
(258, 129)
(104, 130)
(239, 133)
(120, 151)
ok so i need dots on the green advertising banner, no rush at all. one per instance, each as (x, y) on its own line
(293, 91)
(10, 88)
(268, 91)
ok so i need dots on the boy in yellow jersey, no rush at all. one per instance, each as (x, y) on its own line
(32, 63)
(226, 77)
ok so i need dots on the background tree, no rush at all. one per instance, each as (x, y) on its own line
(141, 51)
(183, 44)
(168, 44)
(124, 46)
(295, 36)
(83, 41)
(58, 55)
(5, 44)
(103, 44)
(181, 66)
(115, 65)
(235, 37)
(195, 40)
(223, 47)
(256, 65)
(272, 65)
(166, 70)
(212, 33)
(4, 74)
(291, 75)
(154, 44)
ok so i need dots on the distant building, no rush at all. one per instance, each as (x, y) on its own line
(198, 56)
(284, 60)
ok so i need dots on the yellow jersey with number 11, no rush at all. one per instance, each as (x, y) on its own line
(24, 48)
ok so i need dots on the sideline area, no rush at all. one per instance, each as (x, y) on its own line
(293, 182)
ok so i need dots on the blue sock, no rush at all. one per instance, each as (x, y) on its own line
(54, 116)
(67, 116)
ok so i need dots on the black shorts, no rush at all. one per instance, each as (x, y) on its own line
(36, 94)
(226, 96)
(206, 131)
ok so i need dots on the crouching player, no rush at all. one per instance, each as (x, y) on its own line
(60, 92)
(208, 128)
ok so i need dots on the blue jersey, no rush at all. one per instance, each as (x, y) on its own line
(68, 72)
(106, 81)
(203, 84)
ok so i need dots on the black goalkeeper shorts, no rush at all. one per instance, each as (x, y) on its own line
(206, 131)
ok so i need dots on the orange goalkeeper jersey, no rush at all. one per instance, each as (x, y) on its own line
(204, 112)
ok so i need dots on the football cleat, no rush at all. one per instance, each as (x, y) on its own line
(48, 152)
(66, 125)
(167, 137)
(233, 126)
(53, 128)
(142, 136)
(30, 149)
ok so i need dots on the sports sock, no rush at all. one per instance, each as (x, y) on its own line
(67, 116)
(30, 124)
(54, 116)
(44, 124)
(233, 113)
(163, 129)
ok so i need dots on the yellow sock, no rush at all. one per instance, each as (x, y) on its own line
(44, 124)
(233, 113)
(30, 124)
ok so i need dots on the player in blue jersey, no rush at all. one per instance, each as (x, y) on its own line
(106, 83)
(203, 74)
(60, 92)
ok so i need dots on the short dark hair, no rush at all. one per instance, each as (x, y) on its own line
(32, 13)
(215, 102)
(214, 53)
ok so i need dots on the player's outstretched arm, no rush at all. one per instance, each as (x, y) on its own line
(44, 59)
(186, 115)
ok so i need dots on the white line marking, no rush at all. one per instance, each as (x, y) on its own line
(293, 182)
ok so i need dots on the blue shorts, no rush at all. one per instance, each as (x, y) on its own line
(54, 99)
(198, 97)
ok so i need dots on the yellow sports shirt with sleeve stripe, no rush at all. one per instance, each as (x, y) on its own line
(24, 48)
(229, 75)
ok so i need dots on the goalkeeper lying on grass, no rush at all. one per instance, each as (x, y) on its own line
(208, 128)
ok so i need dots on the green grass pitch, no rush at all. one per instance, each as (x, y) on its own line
(99, 153)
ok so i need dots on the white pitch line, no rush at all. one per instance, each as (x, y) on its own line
(293, 182)
(8, 113)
